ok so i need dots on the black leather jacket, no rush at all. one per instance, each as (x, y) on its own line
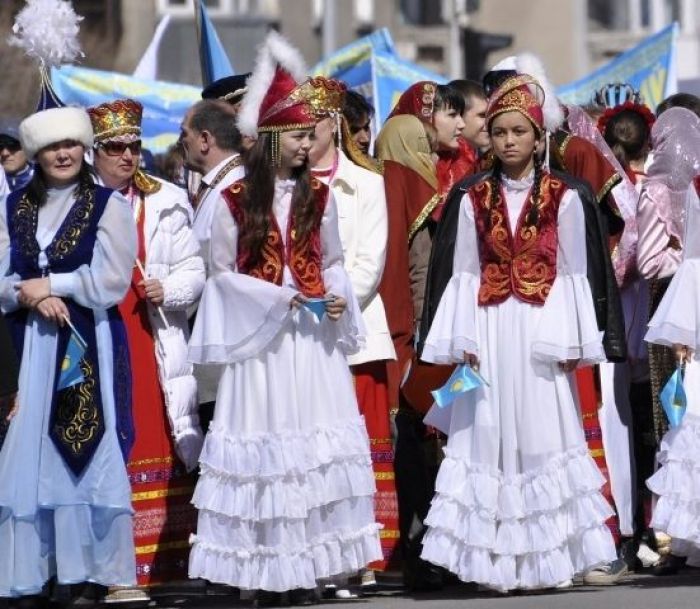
(606, 296)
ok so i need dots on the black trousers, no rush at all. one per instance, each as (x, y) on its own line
(416, 463)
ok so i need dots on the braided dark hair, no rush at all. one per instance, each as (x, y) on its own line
(495, 183)
(533, 215)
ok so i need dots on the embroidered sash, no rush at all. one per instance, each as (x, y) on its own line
(76, 420)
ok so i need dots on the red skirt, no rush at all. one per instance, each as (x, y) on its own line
(373, 399)
(589, 399)
(161, 488)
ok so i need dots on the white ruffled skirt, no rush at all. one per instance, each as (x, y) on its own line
(285, 496)
(518, 502)
(677, 481)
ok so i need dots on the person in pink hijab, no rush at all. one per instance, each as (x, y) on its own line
(674, 178)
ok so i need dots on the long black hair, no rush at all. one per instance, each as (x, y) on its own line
(37, 187)
(259, 194)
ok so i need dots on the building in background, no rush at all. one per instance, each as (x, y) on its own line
(572, 36)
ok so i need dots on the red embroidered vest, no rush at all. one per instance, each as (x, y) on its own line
(303, 256)
(523, 264)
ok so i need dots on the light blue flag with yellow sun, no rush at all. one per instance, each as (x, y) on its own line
(71, 373)
(673, 398)
(463, 379)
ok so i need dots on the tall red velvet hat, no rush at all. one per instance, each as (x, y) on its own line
(521, 93)
(276, 100)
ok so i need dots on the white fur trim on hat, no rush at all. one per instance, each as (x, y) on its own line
(55, 125)
(505, 64)
(275, 50)
(528, 63)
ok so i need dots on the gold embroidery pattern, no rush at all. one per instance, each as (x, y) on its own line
(25, 220)
(145, 183)
(77, 417)
(427, 210)
(270, 267)
(612, 181)
(74, 227)
(521, 265)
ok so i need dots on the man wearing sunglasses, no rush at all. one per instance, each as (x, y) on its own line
(18, 169)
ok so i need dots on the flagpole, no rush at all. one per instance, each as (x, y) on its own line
(75, 331)
(159, 309)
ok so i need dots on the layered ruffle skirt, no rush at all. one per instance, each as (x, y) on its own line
(518, 502)
(285, 496)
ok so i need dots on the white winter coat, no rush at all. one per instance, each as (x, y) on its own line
(362, 221)
(172, 256)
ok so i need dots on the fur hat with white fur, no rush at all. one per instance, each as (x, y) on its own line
(55, 125)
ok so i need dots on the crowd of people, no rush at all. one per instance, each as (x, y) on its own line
(226, 375)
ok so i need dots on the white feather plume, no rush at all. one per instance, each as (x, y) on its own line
(47, 30)
(528, 63)
(275, 50)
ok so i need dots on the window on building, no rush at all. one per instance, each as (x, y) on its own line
(421, 12)
(186, 7)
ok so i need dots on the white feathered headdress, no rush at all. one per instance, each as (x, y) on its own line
(47, 30)
(528, 63)
(277, 60)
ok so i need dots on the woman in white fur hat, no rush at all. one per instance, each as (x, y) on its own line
(65, 506)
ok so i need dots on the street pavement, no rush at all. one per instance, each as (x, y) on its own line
(643, 591)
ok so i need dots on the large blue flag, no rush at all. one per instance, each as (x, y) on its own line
(164, 103)
(649, 67)
(371, 66)
(213, 59)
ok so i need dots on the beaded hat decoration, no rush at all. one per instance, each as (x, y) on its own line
(326, 96)
(520, 93)
(286, 106)
(116, 119)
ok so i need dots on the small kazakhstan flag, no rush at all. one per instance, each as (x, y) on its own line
(673, 398)
(71, 374)
(463, 379)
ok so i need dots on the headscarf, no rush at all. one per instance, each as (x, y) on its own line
(404, 140)
(624, 255)
(675, 139)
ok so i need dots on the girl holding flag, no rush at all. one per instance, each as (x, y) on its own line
(65, 499)
(518, 501)
(286, 492)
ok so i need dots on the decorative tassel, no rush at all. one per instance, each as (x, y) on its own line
(275, 149)
(338, 130)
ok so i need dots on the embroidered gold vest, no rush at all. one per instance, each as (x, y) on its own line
(523, 263)
(302, 255)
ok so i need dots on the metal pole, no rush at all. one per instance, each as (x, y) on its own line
(329, 27)
(454, 53)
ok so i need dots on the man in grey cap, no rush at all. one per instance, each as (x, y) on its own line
(14, 161)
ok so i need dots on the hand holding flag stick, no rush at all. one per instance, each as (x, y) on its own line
(463, 379)
(139, 265)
